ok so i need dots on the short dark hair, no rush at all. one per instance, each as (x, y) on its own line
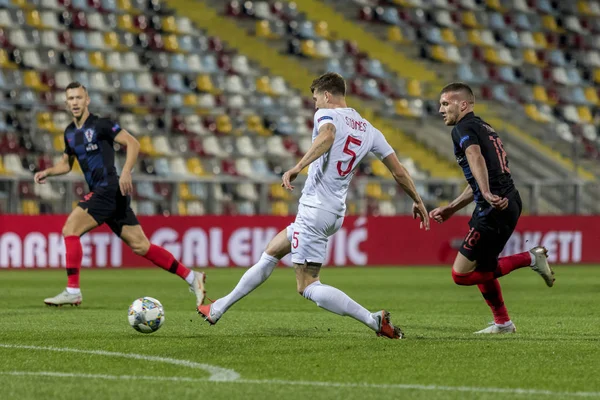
(331, 82)
(459, 87)
(75, 85)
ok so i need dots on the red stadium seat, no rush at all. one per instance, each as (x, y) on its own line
(155, 41)
(65, 38)
(160, 81)
(277, 9)
(195, 146)
(141, 22)
(48, 79)
(178, 124)
(44, 162)
(233, 9)
(80, 20)
(95, 4)
(228, 167)
(26, 190)
(215, 44)
(352, 48)
(366, 14)
(224, 62)
(4, 42)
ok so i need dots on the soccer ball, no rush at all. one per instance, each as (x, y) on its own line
(146, 315)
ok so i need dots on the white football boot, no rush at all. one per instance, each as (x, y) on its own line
(497, 329)
(197, 287)
(541, 265)
(63, 299)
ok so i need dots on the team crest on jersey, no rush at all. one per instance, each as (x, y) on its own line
(89, 135)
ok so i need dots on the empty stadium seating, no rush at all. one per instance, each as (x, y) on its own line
(198, 109)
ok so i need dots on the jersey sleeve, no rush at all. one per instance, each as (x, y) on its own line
(381, 148)
(68, 150)
(323, 117)
(465, 137)
(108, 129)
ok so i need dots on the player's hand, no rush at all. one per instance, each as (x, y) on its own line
(441, 214)
(289, 177)
(125, 183)
(499, 203)
(40, 177)
(420, 211)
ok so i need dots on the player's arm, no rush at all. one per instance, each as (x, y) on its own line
(464, 199)
(320, 146)
(405, 181)
(441, 214)
(62, 167)
(480, 173)
(402, 177)
(124, 138)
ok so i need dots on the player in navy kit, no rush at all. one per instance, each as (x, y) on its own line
(90, 139)
(481, 155)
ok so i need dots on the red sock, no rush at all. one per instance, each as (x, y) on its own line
(505, 266)
(493, 297)
(472, 278)
(508, 264)
(74, 255)
(162, 258)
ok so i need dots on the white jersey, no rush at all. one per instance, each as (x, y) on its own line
(329, 176)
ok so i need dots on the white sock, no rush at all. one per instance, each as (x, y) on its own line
(252, 279)
(71, 290)
(507, 323)
(533, 259)
(338, 302)
(190, 278)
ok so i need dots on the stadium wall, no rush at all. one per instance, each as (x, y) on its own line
(221, 241)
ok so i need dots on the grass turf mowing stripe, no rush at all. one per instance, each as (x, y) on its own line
(435, 388)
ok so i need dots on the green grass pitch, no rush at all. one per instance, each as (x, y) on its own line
(276, 344)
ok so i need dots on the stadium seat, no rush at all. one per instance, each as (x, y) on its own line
(195, 208)
(280, 208)
(195, 167)
(30, 207)
(3, 170)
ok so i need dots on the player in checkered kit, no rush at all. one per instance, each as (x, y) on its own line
(90, 139)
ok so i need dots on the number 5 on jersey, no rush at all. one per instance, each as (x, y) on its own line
(351, 153)
(295, 240)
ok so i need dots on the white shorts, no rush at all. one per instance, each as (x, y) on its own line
(310, 232)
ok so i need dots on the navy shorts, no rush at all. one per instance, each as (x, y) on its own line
(107, 205)
(490, 230)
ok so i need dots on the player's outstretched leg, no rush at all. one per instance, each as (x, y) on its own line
(338, 302)
(134, 237)
(77, 224)
(536, 258)
(252, 278)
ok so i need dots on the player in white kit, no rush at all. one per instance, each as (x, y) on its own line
(341, 139)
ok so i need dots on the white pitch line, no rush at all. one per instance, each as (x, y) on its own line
(216, 373)
(434, 388)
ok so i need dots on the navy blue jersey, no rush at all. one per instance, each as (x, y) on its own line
(92, 144)
(472, 130)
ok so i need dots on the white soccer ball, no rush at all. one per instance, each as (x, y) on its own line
(146, 315)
